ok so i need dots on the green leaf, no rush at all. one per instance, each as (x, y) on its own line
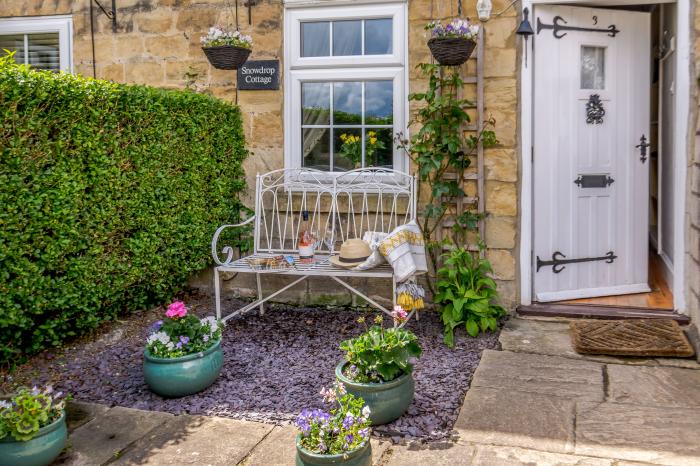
(472, 328)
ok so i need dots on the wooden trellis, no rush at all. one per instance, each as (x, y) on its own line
(475, 175)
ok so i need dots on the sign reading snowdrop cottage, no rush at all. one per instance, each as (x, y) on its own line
(259, 75)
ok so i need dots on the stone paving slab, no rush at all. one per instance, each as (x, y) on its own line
(506, 417)
(659, 435)
(110, 432)
(664, 386)
(552, 338)
(444, 455)
(535, 373)
(79, 413)
(511, 456)
(201, 440)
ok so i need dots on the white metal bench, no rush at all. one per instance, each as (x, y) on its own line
(340, 205)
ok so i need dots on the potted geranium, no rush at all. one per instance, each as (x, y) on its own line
(337, 436)
(226, 50)
(32, 427)
(183, 353)
(378, 367)
(452, 44)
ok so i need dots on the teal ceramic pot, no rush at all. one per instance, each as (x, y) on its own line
(40, 450)
(359, 457)
(176, 377)
(386, 401)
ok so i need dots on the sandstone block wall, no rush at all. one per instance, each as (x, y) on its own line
(692, 260)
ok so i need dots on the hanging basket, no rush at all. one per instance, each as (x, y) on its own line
(451, 51)
(226, 57)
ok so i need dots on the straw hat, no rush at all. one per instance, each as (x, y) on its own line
(353, 252)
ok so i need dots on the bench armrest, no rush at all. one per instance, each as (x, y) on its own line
(228, 250)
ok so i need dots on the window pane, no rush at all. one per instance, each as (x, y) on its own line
(347, 103)
(316, 148)
(348, 149)
(379, 103)
(347, 38)
(316, 103)
(379, 148)
(592, 67)
(13, 43)
(315, 39)
(44, 51)
(378, 36)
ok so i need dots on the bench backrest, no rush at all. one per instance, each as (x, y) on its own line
(340, 205)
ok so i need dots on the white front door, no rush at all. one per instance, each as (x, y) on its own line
(591, 167)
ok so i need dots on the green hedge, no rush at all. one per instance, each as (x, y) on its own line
(109, 196)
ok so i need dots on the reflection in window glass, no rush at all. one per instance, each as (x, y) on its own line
(315, 39)
(378, 36)
(316, 152)
(347, 38)
(348, 138)
(347, 103)
(379, 102)
(592, 67)
(315, 103)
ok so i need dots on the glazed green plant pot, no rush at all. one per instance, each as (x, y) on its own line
(40, 450)
(186, 375)
(386, 401)
(362, 456)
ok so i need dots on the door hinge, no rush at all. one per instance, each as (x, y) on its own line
(642, 146)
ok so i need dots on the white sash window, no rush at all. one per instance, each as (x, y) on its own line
(43, 42)
(345, 86)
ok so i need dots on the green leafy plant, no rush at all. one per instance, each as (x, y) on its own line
(379, 354)
(439, 148)
(28, 411)
(110, 195)
(181, 333)
(466, 294)
(342, 429)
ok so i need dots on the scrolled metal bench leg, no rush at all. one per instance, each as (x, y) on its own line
(260, 296)
(217, 293)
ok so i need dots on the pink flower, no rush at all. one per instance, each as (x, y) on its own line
(176, 310)
(399, 314)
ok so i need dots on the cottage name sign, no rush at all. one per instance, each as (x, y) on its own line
(259, 75)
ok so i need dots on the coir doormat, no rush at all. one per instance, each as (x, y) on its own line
(630, 337)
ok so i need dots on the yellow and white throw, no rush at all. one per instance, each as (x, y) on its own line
(404, 249)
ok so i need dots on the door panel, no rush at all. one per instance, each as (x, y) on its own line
(592, 88)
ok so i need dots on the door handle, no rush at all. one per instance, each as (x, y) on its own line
(642, 146)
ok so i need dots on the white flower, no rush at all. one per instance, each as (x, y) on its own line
(211, 322)
(5, 405)
(159, 336)
(366, 411)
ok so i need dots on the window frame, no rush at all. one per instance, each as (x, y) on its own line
(300, 69)
(61, 24)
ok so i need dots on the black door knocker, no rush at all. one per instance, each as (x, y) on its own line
(594, 110)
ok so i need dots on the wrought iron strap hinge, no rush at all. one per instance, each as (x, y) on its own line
(559, 259)
(557, 28)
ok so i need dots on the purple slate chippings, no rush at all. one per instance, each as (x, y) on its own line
(274, 366)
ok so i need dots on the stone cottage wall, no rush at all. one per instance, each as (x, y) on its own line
(693, 201)
(157, 43)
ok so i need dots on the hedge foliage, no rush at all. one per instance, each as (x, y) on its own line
(109, 196)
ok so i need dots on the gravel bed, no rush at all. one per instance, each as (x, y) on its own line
(274, 367)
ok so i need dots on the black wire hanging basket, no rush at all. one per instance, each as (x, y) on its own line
(226, 57)
(451, 51)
